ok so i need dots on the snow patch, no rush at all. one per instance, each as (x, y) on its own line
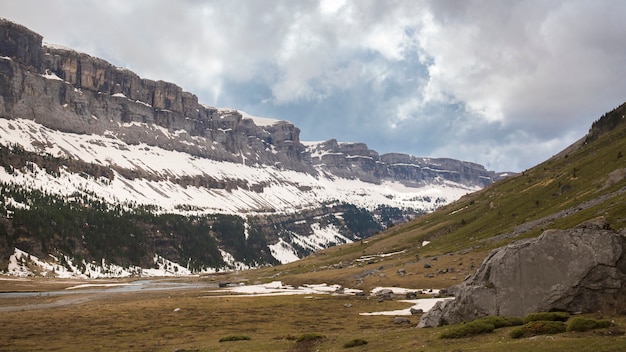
(259, 121)
(276, 288)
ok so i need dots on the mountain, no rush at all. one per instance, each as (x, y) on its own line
(109, 173)
(551, 237)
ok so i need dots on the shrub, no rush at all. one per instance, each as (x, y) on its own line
(546, 316)
(235, 338)
(538, 327)
(310, 336)
(468, 329)
(500, 322)
(354, 343)
(581, 324)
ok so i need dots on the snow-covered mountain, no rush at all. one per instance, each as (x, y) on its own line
(79, 135)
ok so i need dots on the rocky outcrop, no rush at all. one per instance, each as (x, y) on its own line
(352, 160)
(415, 170)
(21, 44)
(74, 92)
(582, 269)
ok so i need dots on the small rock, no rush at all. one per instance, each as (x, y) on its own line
(401, 320)
(348, 305)
(415, 311)
(177, 309)
(427, 266)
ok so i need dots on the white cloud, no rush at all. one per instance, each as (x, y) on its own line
(376, 71)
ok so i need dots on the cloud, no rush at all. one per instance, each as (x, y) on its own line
(506, 84)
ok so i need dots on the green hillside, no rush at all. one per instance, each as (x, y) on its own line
(585, 181)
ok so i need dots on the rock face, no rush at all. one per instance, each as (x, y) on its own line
(74, 92)
(352, 160)
(576, 270)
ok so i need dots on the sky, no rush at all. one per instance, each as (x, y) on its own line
(506, 84)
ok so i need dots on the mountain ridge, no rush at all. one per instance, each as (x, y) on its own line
(78, 131)
(584, 182)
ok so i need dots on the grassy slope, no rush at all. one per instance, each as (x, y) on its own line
(584, 181)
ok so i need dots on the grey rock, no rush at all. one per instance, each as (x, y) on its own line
(384, 295)
(415, 311)
(401, 321)
(576, 270)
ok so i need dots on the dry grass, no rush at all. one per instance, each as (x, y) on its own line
(150, 321)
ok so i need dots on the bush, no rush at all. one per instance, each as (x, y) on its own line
(235, 338)
(310, 336)
(581, 324)
(538, 327)
(500, 322)
(467, 329)
(546, 316)
(354, 343)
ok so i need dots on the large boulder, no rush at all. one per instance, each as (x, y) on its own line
(582, 269)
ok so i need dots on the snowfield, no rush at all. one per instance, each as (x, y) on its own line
(283, 191)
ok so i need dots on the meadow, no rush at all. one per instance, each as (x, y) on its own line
(197, 318)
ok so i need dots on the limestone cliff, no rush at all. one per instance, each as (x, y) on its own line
(74, 92)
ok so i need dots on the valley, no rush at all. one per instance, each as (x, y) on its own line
(134, 218)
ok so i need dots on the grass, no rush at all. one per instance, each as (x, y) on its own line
(149, 321)
(354, 343)
(235, 338)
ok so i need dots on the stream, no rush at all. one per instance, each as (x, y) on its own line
(89, 291)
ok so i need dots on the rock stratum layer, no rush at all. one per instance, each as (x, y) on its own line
(74, 92)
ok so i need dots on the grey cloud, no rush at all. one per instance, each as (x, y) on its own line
(470, 79)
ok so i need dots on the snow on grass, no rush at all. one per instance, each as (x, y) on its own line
(403, 291)
(276, 288)
(366, 258)
(76, 287)
(425, 304)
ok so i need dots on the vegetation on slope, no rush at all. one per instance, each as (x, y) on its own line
(584, 181)
(85, 227)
